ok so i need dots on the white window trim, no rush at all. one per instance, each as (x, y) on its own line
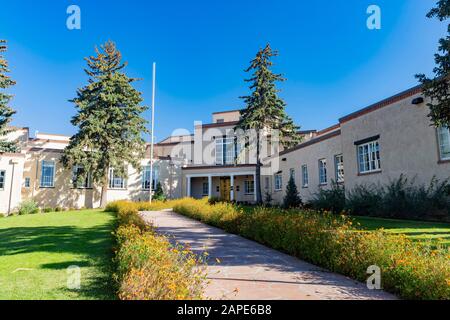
(111, 178)
(155, 177)
(305, 176)
(336, 168)
(42, 173)
(207, 188)
(440, 144)
(75, 184)
(275, 182)
(247, 190)
(4, 179)
(321, 162)
(221, 144)
(370, 154)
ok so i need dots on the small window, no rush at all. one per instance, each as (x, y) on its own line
(220, 120)
(115, 181)
(369, 157)
(444, 143)
(266, 183)
(249, 186)
(2, 179)
(146, 178)
(48, 174)
(305, 178)
(77, 173)
(339, 168)
(278, 182)
(205, 188)
(292, 173)
(323, 179)
(27, 182)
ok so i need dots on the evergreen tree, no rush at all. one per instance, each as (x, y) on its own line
(292, 198)
(159, 193)
(109, 120)
(438, 88)
(6, 112)
(265, 110)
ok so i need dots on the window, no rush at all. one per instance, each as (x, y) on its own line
(323, 171)
(249, 186)
(115, 181)
(305, 178)
(226, 149)
(146, 177)
(266, 183)
(278, 182)
(444, 143)
(27, 183)
(369, 157)
(205, 189)
(77, 173)
(220, 121)
(48, 174)
(2, 179)
(339, 167)
(292, 173)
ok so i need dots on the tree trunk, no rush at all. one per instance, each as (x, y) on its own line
(258, 171)
(104, 195)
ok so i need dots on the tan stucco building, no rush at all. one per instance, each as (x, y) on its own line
(372, 145)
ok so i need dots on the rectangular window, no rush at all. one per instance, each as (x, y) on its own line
(77, 173)
(249, 187)
(278, 182)
(226, 149)
(323, 179)
(266, 183)
(48, 174)
(339, 167)
(115, 181)
(292, 173)
(305, 178)
(27, 183)
(205, 188)
(444, 143)
(146, 178)
(369, 157)
(2, 179)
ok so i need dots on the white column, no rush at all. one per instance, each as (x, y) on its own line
(254, 183)
(188, 186)
(210, 186)
(232, 187)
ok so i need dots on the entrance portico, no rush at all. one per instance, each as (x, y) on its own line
(227, 184)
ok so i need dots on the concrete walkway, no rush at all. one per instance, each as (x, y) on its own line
(242, 269)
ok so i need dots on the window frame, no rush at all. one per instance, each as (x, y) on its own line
(41, 182)
(441, 145)
(305, 176)
(337, 167)
(145, 183)
(276, 182)
(86, 184)
(323, 172)
(205, 186)
(248, 189)
(224, 146)
(27, 183)
(112, 178)
(292, 173)
(2, 179)
(373, 164)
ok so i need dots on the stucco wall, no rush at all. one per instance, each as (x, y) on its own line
(10, 195)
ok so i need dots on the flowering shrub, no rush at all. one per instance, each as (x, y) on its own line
(333, 242)
(148, 266)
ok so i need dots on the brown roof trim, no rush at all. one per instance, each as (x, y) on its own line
(50, 140)
(231, 111)
(326, 130)
(219, 125)
(36, 149)
(311, 142)
(220, 167)
(12, 155)
(383, 103)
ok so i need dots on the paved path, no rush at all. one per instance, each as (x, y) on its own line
(248, 270)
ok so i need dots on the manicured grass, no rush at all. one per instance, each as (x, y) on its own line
(415, 230)
(35, 251)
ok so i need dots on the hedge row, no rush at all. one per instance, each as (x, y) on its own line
(148, 266)
(331, 241)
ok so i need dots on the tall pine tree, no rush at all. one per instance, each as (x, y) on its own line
(265, 110)
(109, 120)
(292, 198)
(6, 112)
(438, 88)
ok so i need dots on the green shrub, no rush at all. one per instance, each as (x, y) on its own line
(292, 198)
(331, 241)
(364, 200)
(27, 207)
(330, 199)
(159, 193)
(213, 200)
(148, 266)
(47, 210)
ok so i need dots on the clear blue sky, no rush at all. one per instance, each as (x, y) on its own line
(333, 63)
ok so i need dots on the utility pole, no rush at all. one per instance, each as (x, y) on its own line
(152, 131)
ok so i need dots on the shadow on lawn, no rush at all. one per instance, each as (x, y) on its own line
(91, 245)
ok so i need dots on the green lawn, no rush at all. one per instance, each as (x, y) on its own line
(35, 251)
(416, 230)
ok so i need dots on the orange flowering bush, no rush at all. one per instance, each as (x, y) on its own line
(149, 267)
(410, 270)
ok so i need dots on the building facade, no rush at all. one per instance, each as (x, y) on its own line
(373, 145)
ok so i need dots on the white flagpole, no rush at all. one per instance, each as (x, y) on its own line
(152, 129)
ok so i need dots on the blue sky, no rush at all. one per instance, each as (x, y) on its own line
(333, 63)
